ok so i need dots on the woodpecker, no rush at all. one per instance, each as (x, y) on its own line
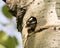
(31, 24)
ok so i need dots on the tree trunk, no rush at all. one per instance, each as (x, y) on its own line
(38, 22)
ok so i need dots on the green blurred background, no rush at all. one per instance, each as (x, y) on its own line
(9, 35)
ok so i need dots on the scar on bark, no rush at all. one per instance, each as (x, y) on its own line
(20, 19)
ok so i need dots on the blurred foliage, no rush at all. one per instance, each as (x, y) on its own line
(6, 12)
(7, 41)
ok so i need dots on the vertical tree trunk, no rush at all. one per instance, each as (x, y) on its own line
(46, 33)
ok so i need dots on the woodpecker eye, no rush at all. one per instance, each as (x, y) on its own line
(31, 21)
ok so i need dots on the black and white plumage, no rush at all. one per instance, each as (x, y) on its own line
(31, 23)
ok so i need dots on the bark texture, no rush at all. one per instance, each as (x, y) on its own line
(38, 22)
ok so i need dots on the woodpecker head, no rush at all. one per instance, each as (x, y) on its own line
(31, 24)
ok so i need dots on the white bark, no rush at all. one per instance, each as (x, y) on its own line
(45, 13)
(34, 10)
(48, 10)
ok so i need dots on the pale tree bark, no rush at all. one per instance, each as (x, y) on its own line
(38, 22)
